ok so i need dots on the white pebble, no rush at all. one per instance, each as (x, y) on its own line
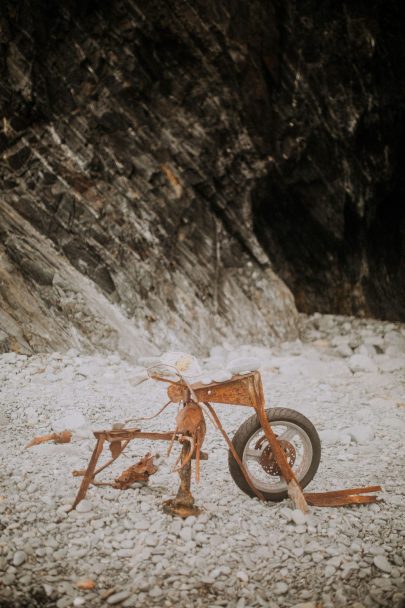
(382, 563)
(329, 571)
(19, 558)
(298, 517)
(287, 513)
(243, 364)
(118, 597)
(361, 434)
(186, 533)
(362, 363)
(84, 506)
(242, 576)
(280, 588)
(308, 604)
(71, 421)
(221, 375)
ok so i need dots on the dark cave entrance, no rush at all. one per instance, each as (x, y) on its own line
(345, 264)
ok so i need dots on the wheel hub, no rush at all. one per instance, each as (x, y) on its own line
(267, 460)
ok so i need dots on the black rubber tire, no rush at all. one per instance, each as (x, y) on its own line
(251, 426)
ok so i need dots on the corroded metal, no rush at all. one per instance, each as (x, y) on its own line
(63, 437)
(190, 424)
(141, 471)
(338, 498)
(183, 504)
(89, 474)
(269, 463)
(277, 457)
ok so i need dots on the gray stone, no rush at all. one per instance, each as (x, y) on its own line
(186, 533)
(117, 598)
(287, 513)
(124, 552)
(64, 602)
(298, 517)
(361, 434)
(4, 420)
(242, 576)
(382, 563)
(84, 506)
(8, 579)
(329, 571)
(201, 538)
(155, 592)
(190, 521)
(376, 550)
(362, 363)
(131, 602)
(344, 350)
(19, 558)
(280, 588)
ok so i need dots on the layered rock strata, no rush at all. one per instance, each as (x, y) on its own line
(126, 167)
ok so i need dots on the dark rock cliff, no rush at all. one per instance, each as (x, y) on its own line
(160, 160)
(331, 211)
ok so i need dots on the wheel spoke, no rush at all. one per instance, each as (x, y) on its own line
(288, 434)
(287, 431)
(252, 454)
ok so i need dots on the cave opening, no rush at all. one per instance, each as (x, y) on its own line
(351, 264)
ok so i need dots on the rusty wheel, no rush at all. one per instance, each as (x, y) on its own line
(301, 445)
(267, 460)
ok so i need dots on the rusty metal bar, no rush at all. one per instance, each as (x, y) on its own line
(347, 492)
(293, 487)
(89, 474)
(124, 434)
(183, 504)
(323, 500)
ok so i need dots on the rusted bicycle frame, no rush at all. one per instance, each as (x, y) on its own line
(244, 390)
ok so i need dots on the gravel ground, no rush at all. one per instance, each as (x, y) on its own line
(346, 375)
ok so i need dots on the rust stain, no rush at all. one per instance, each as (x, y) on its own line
(173, 180)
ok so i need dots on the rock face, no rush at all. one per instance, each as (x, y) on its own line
(126, 167)
(157, 158)
(330, 211)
